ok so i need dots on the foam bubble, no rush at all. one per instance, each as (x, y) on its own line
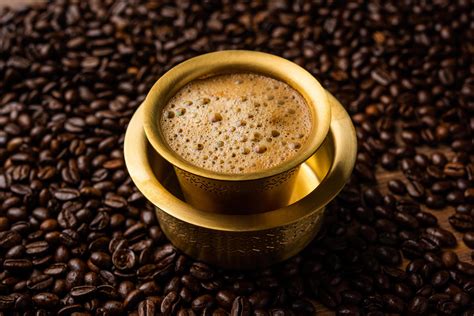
(216, 117)
(236, 123)
(260, 149)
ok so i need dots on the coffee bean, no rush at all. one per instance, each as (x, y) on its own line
(113, 307)
(149, 288)
(397, 187)
(66, 194)
(440, 278)
(191, 283)
(454, 169)
(260, 299)
(240, 307)
(225, 298)
(17, 265)
(444, 237)
(108, 277)
(123, 259)
(46, 300)
(6, 302)
(82, 291)
(415, 189)
(388, 255)
(462, 222)
(189, 312)
(170, 303)
(74, 278)
(202, 302)
(418, 305)
(9, 239)
(406, 220)
(468, 239)
(393, 303)
(133, 298)
(40, 282)
(146, 308)
(201, 271)
(465, 268)
(70, 309)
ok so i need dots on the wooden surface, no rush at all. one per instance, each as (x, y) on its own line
(383, 177)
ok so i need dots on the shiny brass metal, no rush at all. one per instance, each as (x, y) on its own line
(236, 193)
(249, 240)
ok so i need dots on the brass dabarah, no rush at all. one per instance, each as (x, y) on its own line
(251, 239)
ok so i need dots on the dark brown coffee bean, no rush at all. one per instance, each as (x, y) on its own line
(149, 288)
(17, 265)
(351, 310)
(426, 219)
(46, 300)
(101, 259)
(465, 268)
(113, 307)
(202, 302)
(462, 222)
(225, 298)
(449, 258)
(440, 278)
(170, 303)
(23, 302)
(133, 298)
(260, 299)
(397, 187)
(66, 194)
(201, 271)
(108, 277)
(9, 239)
(6, 302)
(454, 169)
(468, 239)
(444, 237)
(40, 282)
(70, 310)
(240, 307)
(191, 283)
(123, 259)
(107, 291)
(435, 201)
(418, 305)
(388, 255)
(406, 220)
(146, 308)
(393, 303)
(415, 189)
(82, 291)
(74, 278)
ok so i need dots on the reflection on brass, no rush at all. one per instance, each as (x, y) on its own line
(236, 193)
(248, 240)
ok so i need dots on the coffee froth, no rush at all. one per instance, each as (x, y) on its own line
(236, 123)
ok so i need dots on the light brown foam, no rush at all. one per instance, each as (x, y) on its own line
(236, 123)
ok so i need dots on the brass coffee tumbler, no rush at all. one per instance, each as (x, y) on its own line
(236, 193)
(250, 239)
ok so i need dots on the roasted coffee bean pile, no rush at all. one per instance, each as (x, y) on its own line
(77, 236)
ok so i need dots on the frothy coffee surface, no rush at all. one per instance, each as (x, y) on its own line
(236, 123)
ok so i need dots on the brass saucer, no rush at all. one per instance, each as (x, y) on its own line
(250, 240)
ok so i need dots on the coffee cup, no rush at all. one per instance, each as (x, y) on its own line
(246, 192)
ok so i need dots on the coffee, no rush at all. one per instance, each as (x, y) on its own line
(236, 123)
